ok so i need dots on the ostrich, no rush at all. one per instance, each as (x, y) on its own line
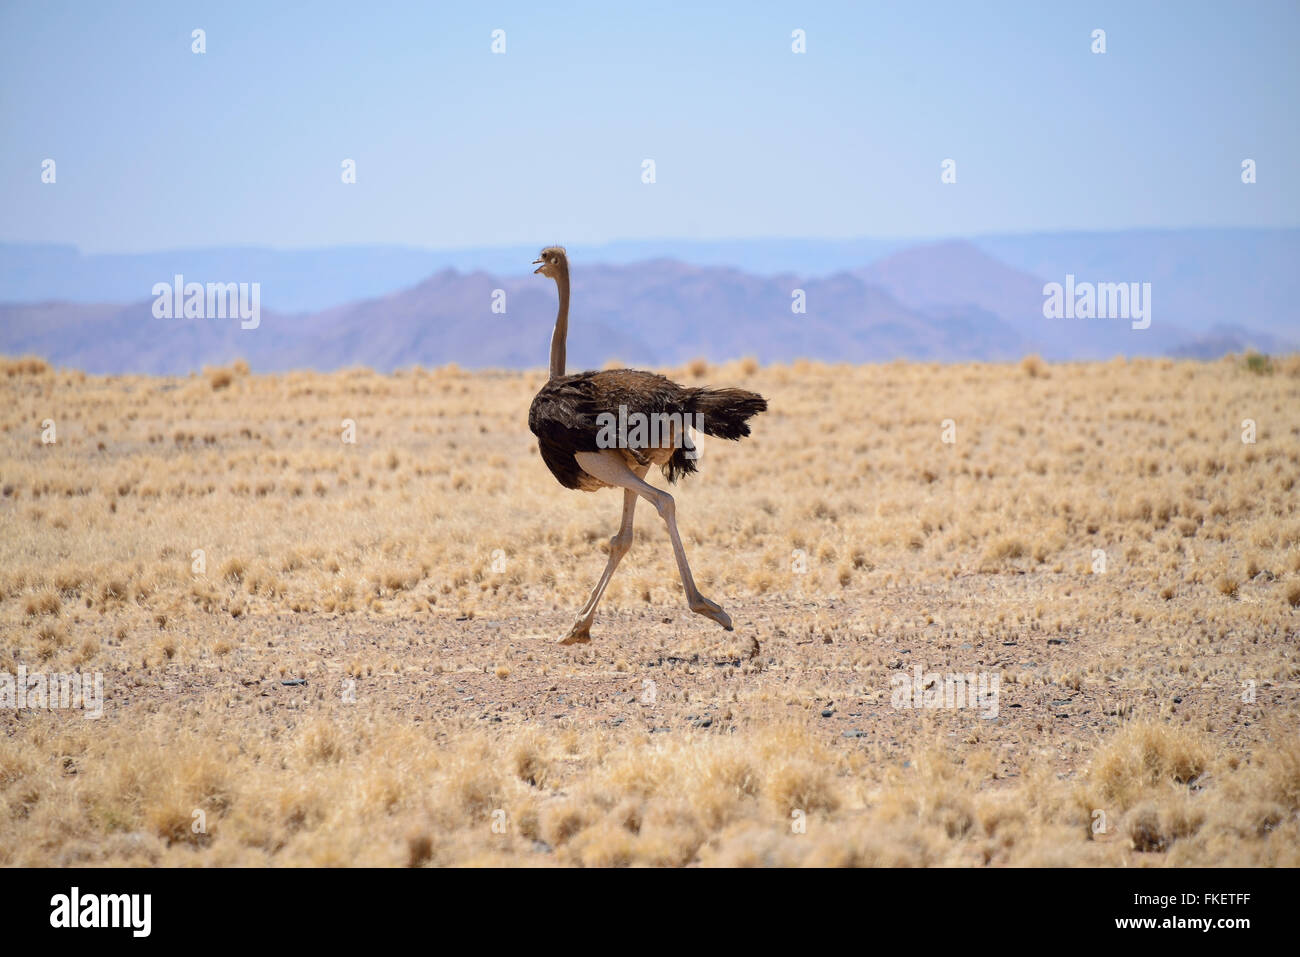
(571, 417)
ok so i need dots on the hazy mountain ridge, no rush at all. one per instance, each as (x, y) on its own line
(936, 301)
(1203, 276)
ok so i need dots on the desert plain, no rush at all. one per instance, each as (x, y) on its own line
(324, 608)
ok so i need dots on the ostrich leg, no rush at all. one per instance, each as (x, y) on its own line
(609, 466)
(580, 633)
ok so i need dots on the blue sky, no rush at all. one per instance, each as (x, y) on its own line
(157, 147)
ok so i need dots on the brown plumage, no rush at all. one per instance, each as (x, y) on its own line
(566, 418)
(587, 429)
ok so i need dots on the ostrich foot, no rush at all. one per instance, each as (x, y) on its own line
(579, 634)
(702, 606)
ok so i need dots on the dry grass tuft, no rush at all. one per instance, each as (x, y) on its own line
(1146, 756)
(1034, 367)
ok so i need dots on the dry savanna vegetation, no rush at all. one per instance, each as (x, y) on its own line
(1096, 535)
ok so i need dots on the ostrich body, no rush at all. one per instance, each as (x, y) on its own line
(571, 418)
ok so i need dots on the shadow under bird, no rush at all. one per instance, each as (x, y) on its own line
(580, 424)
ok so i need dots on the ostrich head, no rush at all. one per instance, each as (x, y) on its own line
(553, 262)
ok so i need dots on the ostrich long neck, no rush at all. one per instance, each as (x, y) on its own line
(561, 325)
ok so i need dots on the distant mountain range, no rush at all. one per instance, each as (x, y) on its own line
(311, 279)
(1213, 291)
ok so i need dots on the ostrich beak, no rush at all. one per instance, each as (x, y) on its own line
(538, 269)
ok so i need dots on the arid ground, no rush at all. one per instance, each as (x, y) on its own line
(1099, 538)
